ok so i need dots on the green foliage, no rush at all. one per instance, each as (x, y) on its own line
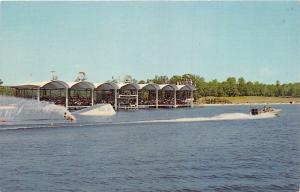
(213, 88)
(228, 88)
(175, 79)
(242, 86)
(7, 91)
(231, 87)
(159, 79)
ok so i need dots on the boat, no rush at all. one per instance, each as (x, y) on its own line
(265, 110)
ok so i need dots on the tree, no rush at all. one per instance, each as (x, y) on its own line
(1, 82)
(213, 87)
(278, 89)
(256, 88)
(159, 79)
(230, 87)
(242, 86)
(175, 79)
(200, 84)
(249, 88)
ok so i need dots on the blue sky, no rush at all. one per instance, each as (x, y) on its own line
(257, 40)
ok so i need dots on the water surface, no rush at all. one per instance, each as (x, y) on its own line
(223, 155)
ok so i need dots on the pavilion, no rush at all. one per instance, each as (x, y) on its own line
(81, 94)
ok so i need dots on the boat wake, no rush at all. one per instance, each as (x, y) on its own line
(16, 113)
(18, 109)
(221, 117)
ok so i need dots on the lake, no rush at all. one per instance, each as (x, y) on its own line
(150, 150)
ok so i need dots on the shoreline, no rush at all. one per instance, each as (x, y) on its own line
(241, 104)
(246, 100)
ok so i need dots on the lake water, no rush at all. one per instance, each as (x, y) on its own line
(151, 150)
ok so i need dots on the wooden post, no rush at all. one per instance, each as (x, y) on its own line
(38, 94)
(92, 90)
(116, 100)
(156, 98)
(137, 99)
(192, 99)
(174, 98)
(67, 98)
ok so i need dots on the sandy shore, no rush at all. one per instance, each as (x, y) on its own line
(246, 104)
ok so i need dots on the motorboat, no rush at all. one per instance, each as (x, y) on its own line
(265, 110)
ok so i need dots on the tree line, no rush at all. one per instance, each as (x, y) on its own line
(230, 87)
(4, 90)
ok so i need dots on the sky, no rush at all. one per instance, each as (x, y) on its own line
(259, 41)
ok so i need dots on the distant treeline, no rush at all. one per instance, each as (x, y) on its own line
(231, 87)
(7, 91)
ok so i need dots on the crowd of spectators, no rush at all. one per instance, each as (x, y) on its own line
(127, 92)
(105, 101)
(166, 101)
(147, 101)
(73, 101)
(109, 99)
(79, 101)
(131, 102)
(55, 100)
(163, 101)
(105, 98)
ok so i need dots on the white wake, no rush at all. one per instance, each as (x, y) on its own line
(12, 108)
(221, 117)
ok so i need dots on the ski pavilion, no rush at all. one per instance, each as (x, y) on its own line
(81, 94)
